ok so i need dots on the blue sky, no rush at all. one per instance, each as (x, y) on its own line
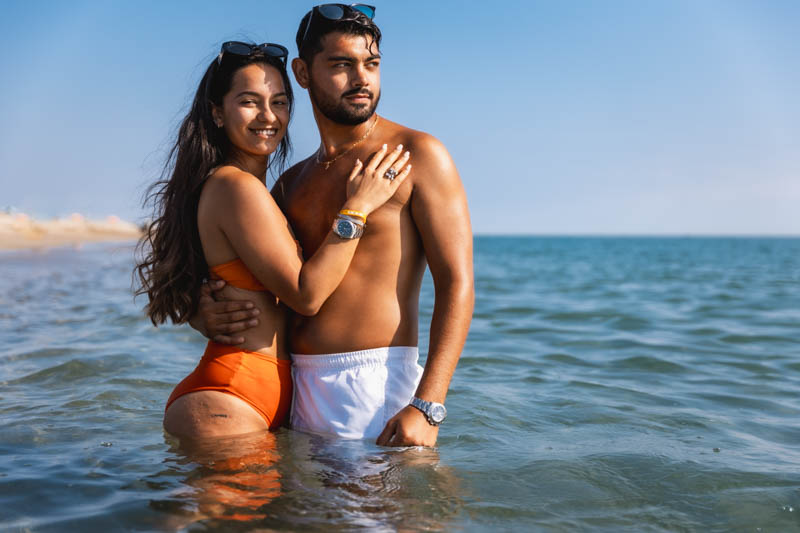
(617, 117)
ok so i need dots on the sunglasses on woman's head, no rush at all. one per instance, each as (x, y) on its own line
(339, 12)
(245, 49)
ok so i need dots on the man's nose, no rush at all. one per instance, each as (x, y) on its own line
(360, 76)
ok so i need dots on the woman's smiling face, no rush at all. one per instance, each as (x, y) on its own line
(255, 111)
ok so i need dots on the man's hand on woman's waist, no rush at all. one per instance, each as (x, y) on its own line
(219, 320)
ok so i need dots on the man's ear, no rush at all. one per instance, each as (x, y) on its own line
(301, 74)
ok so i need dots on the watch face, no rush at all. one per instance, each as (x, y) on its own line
(438, 412)
(345, 228)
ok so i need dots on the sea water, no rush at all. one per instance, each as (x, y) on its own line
(608, 384)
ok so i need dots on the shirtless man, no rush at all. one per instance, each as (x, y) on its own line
(359, 370)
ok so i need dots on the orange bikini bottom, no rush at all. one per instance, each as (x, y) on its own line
(263, 381)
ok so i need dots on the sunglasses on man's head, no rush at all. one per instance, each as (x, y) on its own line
(339, 12)
(245, 49)
(344, 11)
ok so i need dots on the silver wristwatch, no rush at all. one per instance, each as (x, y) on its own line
(434, 412)
(347, 228)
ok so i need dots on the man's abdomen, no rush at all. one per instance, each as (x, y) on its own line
(366, 311)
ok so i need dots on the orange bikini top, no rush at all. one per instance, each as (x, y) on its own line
(236, 273)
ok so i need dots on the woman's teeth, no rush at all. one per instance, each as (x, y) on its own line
(265, 132)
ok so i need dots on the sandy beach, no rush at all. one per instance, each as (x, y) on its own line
(20, 231)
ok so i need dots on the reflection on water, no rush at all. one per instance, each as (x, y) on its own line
(292, 480)
(363, 485)
(231, 479)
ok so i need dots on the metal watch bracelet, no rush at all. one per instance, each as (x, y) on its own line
(434, 412)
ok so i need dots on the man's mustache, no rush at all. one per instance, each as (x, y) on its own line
(357, 91)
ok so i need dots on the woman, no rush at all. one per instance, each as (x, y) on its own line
(215, 217)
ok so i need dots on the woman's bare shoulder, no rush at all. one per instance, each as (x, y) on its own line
(231, 178)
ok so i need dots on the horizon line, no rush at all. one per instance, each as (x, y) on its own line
(646, 235)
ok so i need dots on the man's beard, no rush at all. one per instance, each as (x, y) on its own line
(338, 111)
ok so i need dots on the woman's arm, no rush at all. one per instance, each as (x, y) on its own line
(259, 233)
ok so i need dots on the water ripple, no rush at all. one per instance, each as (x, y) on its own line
(607, 385)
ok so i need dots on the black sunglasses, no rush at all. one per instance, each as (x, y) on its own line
(338, 12)
(245, 49)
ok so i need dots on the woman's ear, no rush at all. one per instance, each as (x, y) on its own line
(216, 116)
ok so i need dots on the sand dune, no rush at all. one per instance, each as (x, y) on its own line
(20, 231)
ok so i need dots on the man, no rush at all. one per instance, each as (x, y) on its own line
(373, 315)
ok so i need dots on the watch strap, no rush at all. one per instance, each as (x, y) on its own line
(427, 409)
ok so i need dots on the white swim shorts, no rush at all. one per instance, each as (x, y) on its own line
(353, 394)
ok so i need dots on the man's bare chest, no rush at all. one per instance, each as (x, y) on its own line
(314, 197)
(311, 202)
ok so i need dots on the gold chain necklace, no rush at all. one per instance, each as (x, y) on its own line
(327, 164)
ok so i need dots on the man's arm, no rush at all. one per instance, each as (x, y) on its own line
(221, 320)
(439, 209)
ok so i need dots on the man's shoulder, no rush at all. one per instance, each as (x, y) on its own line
(293, 171)
(429, 156)
(412, 138)
(427, 152)
(287, 177)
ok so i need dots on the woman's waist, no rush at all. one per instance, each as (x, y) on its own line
(273, 351)
(269, 336)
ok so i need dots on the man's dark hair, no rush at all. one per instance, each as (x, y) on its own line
(321, 26)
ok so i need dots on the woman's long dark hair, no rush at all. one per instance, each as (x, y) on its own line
(171, 266)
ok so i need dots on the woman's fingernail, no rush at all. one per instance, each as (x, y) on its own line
(407, 154)
(383, 147)
(399, 147)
